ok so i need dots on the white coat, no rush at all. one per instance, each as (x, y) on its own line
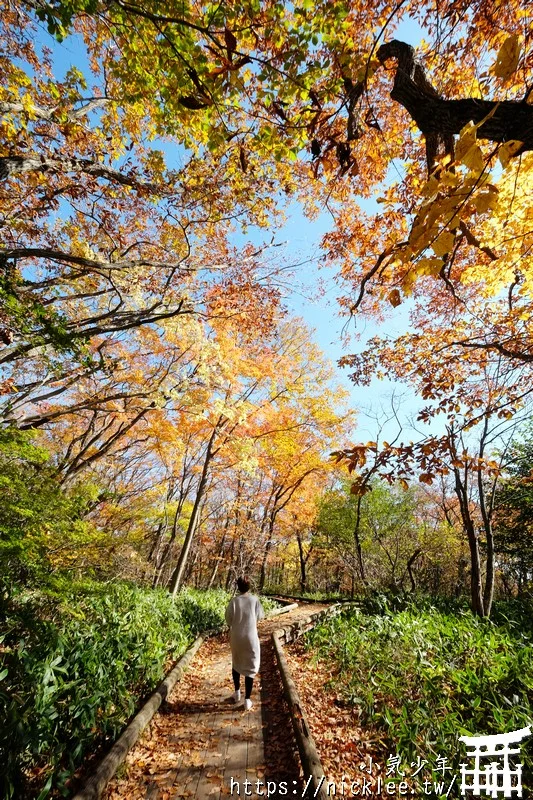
(242, 615)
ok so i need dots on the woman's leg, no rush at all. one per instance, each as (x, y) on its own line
(236, 679)
(248, 686)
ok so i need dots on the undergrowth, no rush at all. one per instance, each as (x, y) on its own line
(74, 666)
(423, 676)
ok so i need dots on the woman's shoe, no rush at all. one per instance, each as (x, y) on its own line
(247, 704)
(237, 696)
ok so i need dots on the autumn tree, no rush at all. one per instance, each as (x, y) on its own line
(104, 231)
(513, 517)
(262, 85)
(406, 540)
(478, 400)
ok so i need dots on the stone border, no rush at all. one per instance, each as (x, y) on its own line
(96, 783)
(311, 765)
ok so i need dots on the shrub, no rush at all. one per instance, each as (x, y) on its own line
(74, 668)
(423, 677)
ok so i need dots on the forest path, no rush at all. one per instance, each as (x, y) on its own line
(201, 745)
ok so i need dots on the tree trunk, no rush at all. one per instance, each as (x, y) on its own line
(488, 594)
(231, 570)
(410, 569)
(163, 560)
(357, 542)
(157, 540)
(262, 575)
(218, 556)
(476, 585)
(268, 546)
(177, 575)
(303, 577)
(486, 509)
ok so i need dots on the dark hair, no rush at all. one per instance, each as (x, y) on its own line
(243, 585)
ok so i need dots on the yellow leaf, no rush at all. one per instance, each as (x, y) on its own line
(444, 244)
(508, 150)
(467, 138)
(486, 200)
(428, 266)
(473, 159)
(508, 58)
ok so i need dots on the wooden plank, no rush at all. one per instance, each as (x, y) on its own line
(237, 751)
(185, 774)
(211, 780)
(97, 782)
(306, 744)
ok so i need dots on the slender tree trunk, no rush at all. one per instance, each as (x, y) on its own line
(168, 547)
(476, 584)
(231, 570)
(156, 542)
(303, 577)
(189, 569)
(262, 576)
(177, 575)
(218, 556)
(357, 542)
(488, 593)
(268, 547)
(410, 569)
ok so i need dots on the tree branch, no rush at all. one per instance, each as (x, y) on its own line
(505, 120)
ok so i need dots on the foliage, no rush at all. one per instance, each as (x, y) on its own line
(43, 527)
(300, 95)
(75, 664)
(403, 536)
(202, 611)
(423, 676)
(268, 604)
(317, 596)
(514, 514)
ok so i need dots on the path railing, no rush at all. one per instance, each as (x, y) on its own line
(96, 783)
(312, 768)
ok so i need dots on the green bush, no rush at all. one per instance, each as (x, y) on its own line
(43, 527)
(202, 611)
(74, 668)
(420, 678)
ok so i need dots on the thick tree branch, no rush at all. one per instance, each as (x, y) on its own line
(519, 355)
(89, 263)
(124, 322)
(49, 114)
(15, 165)
(505, 120)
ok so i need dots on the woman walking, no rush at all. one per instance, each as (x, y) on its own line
(242, 615)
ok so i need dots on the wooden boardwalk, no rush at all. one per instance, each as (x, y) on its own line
(201, 745)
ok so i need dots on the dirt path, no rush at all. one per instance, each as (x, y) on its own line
(200, 745)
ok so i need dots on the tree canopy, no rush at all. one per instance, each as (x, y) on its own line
(125, 300)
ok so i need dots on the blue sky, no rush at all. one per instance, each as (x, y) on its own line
(335, 334)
